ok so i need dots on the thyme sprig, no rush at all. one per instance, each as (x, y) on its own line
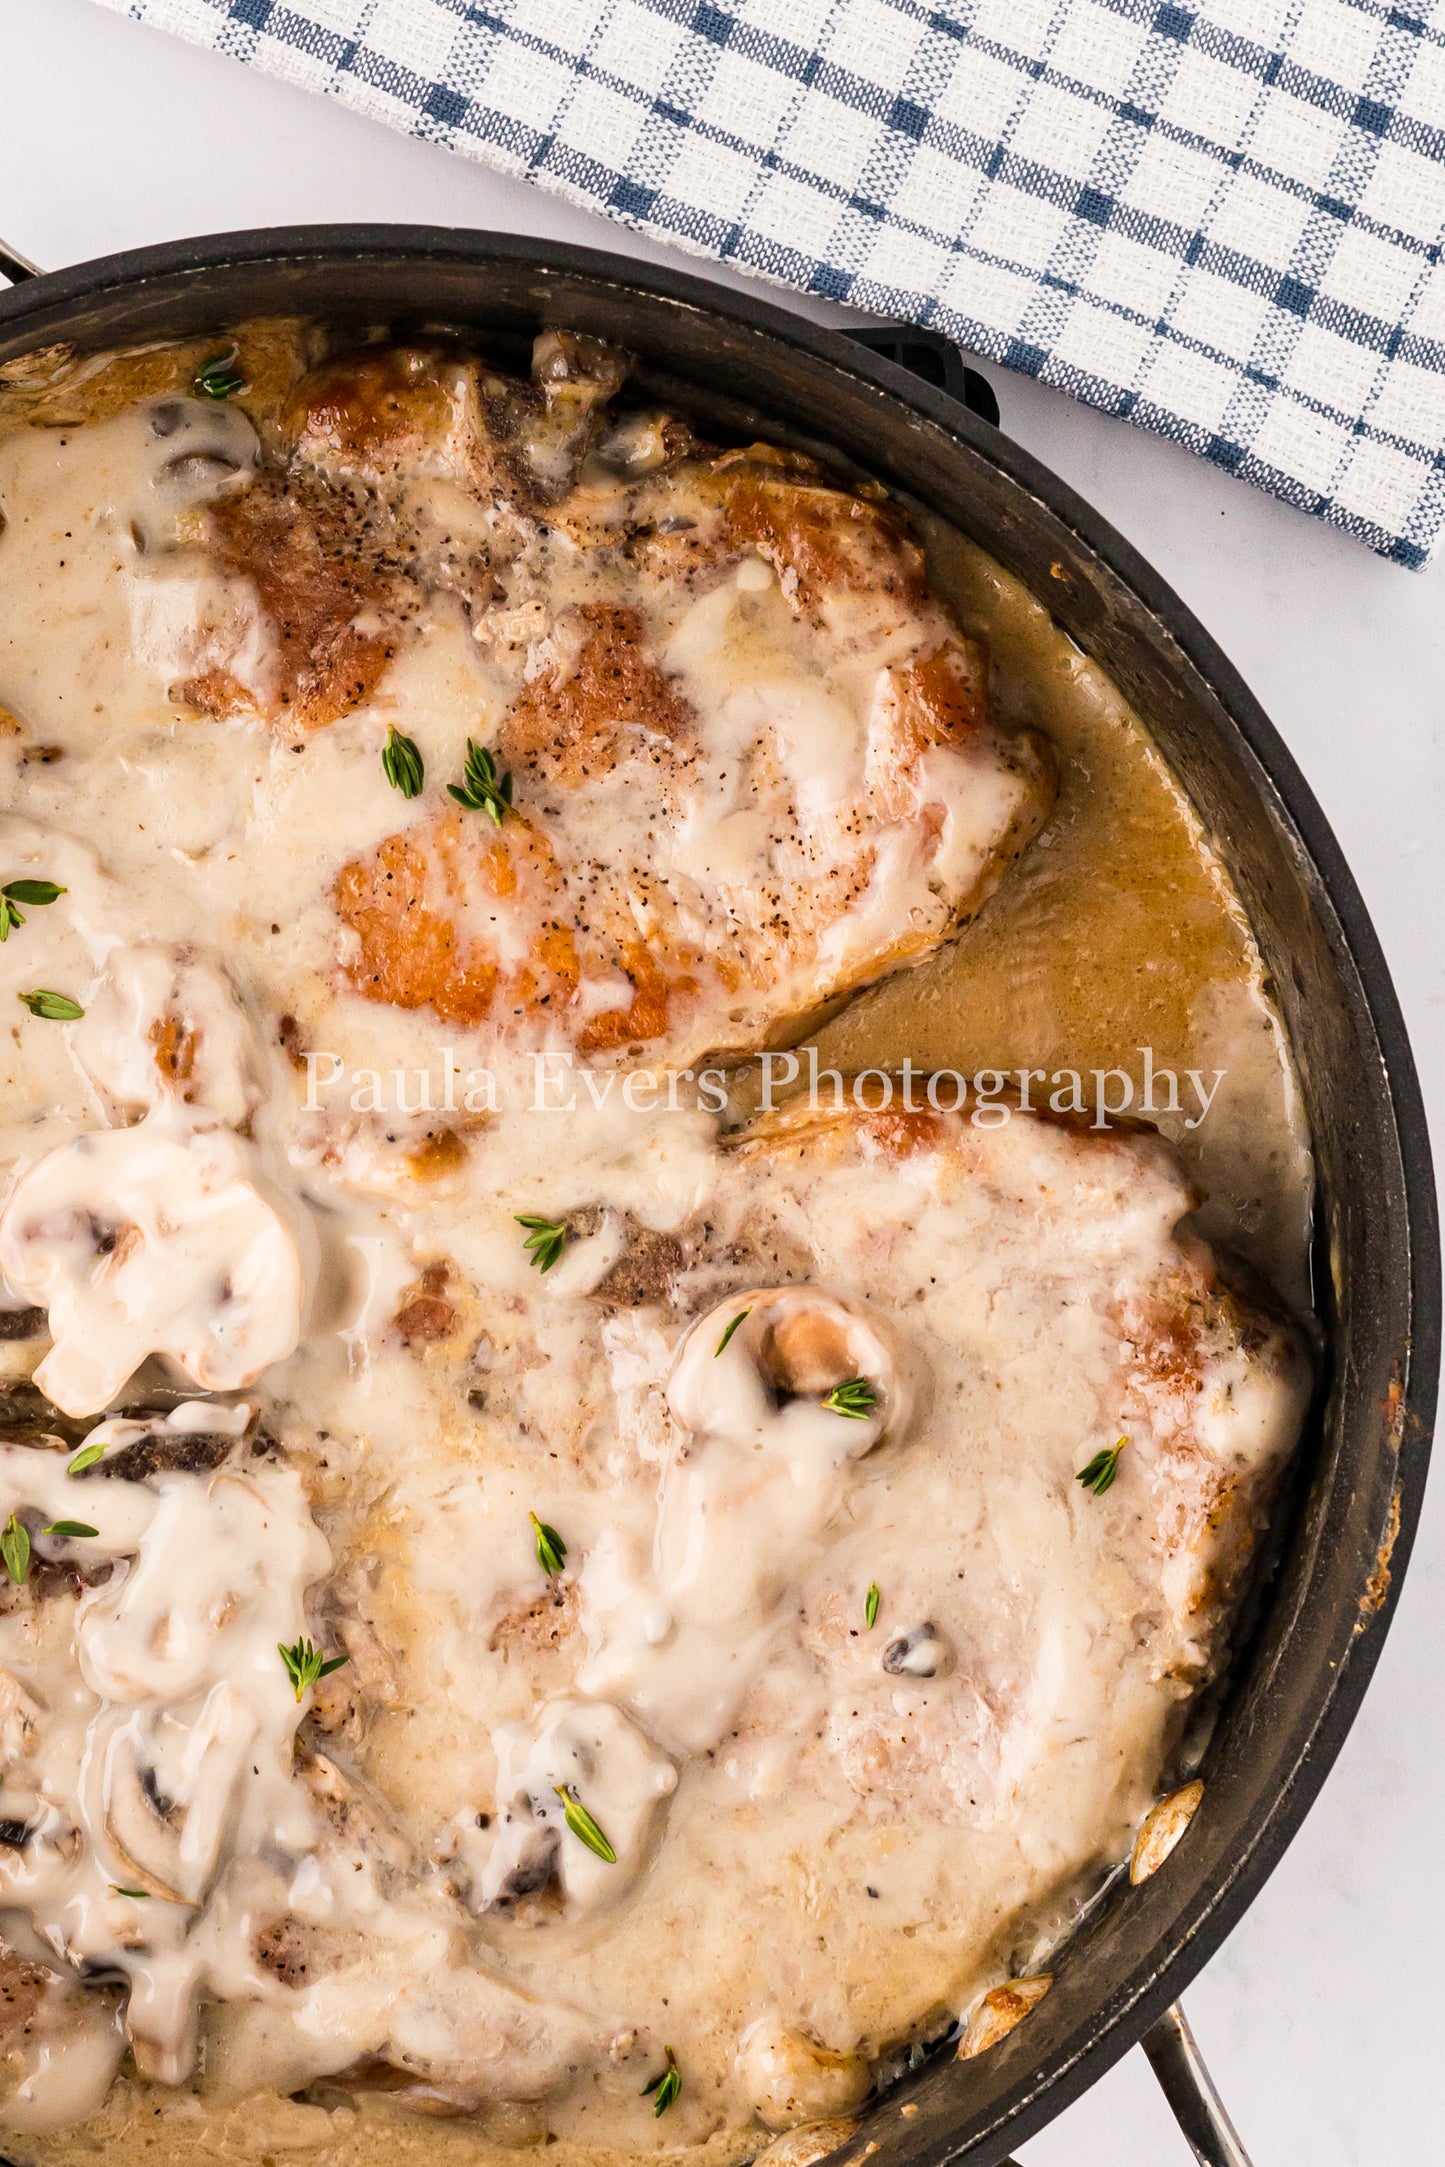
(551, 1550)
(218, 378)
(305, 1664)
(855, 1397)
(546, 1239)
(33, 893)
(666, 2084)
(480, 790)
(402, 763)
(582, 1825)
(1099, 1475)
(15, 1550)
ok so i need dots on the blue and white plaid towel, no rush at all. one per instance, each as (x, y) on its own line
(1222, 221)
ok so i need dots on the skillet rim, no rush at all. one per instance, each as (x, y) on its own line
(41, 309)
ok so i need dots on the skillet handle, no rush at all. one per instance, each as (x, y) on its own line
(1189, 2089)
(15, 267)
(935, 358)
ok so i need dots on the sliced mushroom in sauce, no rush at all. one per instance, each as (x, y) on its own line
(924, 1652)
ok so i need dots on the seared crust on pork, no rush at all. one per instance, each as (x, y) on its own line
(753, 761)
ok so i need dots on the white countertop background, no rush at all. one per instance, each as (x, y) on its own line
(1322, 2015)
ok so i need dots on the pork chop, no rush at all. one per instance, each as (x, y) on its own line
(753, 763)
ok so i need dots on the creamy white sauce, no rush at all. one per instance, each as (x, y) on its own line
(886, 1806)
(156, 1779)
(750, 1489)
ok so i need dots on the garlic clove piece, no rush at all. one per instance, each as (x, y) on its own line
(789, 2077)
(1161, 1830)
(807, 2144)
(1001, 2009)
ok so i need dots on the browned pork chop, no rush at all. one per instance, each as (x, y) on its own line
(752, 756)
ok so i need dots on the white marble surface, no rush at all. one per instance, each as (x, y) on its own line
(1322, 2014)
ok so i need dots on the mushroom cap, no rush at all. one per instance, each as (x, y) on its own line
(152, 1240)
(594, 1751)
(759, 1369)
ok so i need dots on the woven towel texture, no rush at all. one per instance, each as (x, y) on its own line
(1221, 222)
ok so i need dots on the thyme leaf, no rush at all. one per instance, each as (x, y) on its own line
(402, 763)
(305, 1664)
(733, 1323)
(855, 1397)
(551, 1550)
(140, 1895)
(545, 1241)
(582, 1825)
(86, 1457)
(15, 1550)
(69, 1528)
(52, 1007)
(1099, 1475)
(479, 789)
(31, 892)
(870, 1605)
(666, 2084)
(217, 378)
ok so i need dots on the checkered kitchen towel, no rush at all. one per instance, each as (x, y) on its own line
(1223, 221)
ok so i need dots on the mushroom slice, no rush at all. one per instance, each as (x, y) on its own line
(167, 1793)
(66, 2050)
(924, 1652)
(577, 376)
(778, 1395)
(793, 1366)
(19, 1715)
(138, 1819)
(578, 1754)
(162, 2019)
(192, 1439)
(523, 1859)
(147, 1241)
(209, 449)
(215, 1583)
(787, 2075)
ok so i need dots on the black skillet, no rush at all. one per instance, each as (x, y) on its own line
(921, 423)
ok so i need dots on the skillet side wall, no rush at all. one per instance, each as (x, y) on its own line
(1298, 1684)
